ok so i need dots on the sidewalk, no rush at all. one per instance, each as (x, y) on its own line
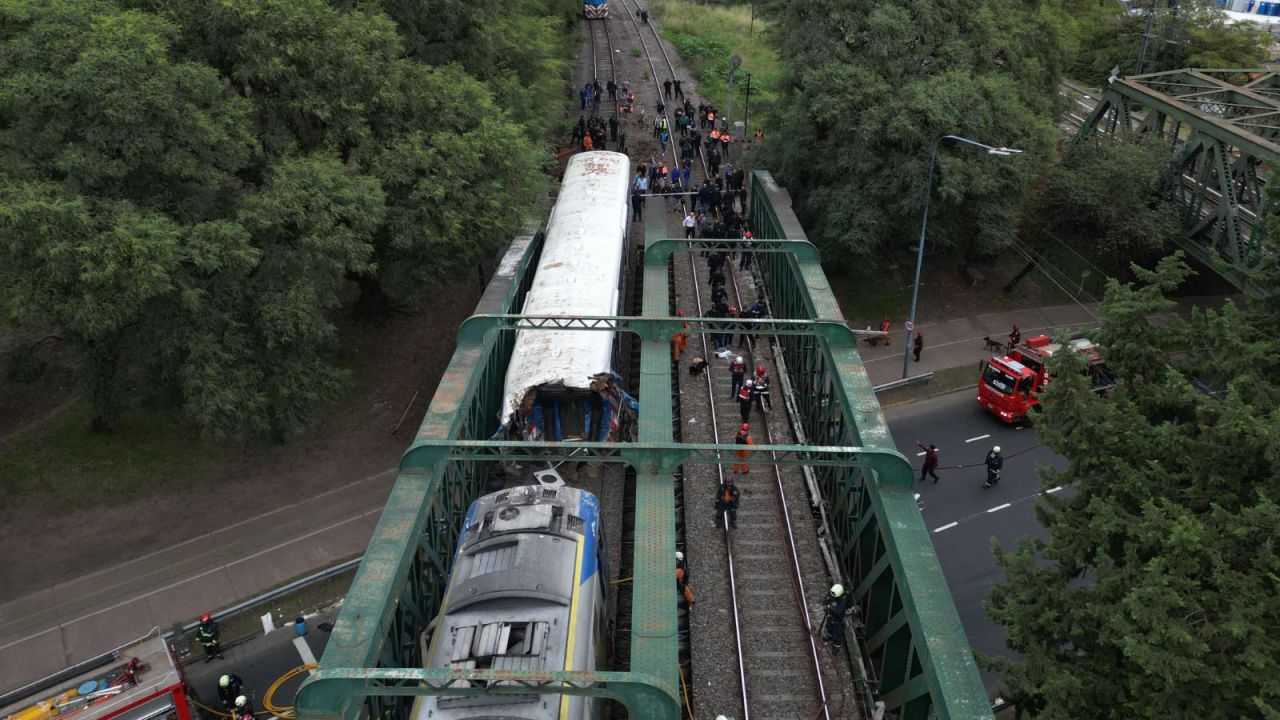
(956, 343)
(50, 629)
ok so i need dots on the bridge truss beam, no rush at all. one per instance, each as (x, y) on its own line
(921, 660)
(1224, 125)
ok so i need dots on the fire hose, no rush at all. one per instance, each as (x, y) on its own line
(269, 707)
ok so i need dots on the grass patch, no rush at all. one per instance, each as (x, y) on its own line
(636, 52)
(943, 382)
(866, 298)
(62, 463)
(706, 37)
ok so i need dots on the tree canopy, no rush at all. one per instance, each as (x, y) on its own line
(1156, 593)
(1109, 195)
(1102, 36)
(873, 85)
(187, 187)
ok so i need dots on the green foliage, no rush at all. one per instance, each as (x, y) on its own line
(521, 50)
(707, 35)
(188, 187)
(1156, 594)
(1101, 36)
(1107, 198)
(873, 85)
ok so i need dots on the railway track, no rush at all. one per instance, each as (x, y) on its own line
(598, 34)
(770, 641)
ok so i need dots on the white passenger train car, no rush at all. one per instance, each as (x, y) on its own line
(527, 592)
(560, 384)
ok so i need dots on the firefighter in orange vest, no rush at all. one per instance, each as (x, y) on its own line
(727, 502)
(743, 438)
(679, 341)
(745, 395)
(885, 325)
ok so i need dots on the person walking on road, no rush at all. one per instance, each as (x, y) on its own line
(1015, 337)
(995, 461)
(835, 606)
(209, 635)
(746, 393)
(727, 503)
(885, 325)
(743, 438)
(230, 687)
(930, 461)
(919, 346)
(690, 225)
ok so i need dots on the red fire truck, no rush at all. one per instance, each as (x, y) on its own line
(139, 681)
(1010, 385)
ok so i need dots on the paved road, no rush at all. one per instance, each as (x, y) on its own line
(961, 515)
(259, 662)
(44, 632)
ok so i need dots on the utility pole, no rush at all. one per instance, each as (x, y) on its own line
(734, 62)
(746, 113)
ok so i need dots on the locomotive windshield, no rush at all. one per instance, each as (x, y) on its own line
(998, 380)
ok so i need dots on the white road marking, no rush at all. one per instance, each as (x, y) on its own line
(999, 507)
(980, 437)
(1018, 427)
(304, 651)
(948, 526)
(919, 453)
(1054, 489)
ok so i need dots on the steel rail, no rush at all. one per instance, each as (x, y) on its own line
(724, 520)
(797, 580)
(595, 60)
(653, 72)
(693, 270)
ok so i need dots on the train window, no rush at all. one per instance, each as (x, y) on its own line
(480, 644)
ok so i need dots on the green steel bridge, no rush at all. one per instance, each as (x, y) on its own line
(1223, 124)
(913, 639)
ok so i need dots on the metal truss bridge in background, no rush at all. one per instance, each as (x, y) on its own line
(913, 639)
(1224, 126)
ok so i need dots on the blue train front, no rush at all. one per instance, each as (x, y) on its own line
(595, 8)
(527, 592)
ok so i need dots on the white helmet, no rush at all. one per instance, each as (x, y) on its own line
(721, 717)
(241, 700)
(747, 382)
(224, 681)
(679, 555)
(995, 449)
(738, 359)
(837, 590)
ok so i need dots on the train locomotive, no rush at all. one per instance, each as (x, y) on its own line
(527, 592)
(560, 384)
(594, 9)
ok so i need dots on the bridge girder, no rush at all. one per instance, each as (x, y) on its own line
(1224, 125)
(914, 642)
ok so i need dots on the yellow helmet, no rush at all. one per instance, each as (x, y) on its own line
(837, 590)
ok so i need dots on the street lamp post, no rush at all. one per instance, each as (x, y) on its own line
(924, 224)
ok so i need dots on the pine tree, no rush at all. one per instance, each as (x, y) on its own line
(1157, 594)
